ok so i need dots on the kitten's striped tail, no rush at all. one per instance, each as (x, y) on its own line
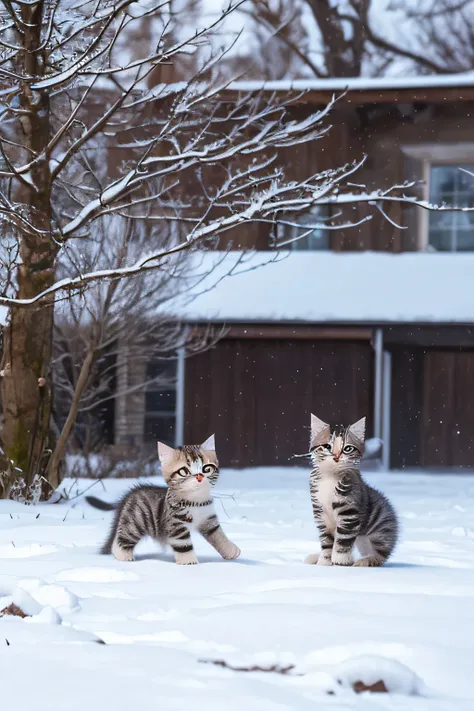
(380, 536)
(99, 504)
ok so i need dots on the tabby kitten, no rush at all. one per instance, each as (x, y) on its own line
(347, 511)
(167, 514)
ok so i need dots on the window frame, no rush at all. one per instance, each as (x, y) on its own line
(454, 233)
(429, 154)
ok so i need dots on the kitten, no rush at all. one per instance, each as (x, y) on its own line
(347, 511)
(168, 513)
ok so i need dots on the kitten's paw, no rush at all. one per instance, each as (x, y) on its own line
(231, 552)
(322, 560)
(362, 563)
(312, 559)
(341, 558)
(186, 558)
(122, 554)
(369, 562)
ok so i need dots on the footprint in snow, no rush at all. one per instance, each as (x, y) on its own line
(12, 551)
(96, 575)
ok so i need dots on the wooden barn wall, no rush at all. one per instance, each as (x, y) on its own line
(385, 133)
(378, 132)
(432, 407)
(406, 407)
(257, 395)
(381, 133)
(448, 409)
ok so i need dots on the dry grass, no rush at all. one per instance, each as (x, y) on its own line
(13, 611)
(358, 686)
(275, 668)
(377, 688)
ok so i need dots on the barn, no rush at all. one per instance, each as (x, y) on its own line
(374, 320)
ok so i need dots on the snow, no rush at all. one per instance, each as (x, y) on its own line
(425, 81)
(329, 287)
(373, 447)
(411, 622)
(357, 83)
(369, 669)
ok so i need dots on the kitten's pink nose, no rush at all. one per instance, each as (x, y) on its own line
(199, 477)
(336, 459)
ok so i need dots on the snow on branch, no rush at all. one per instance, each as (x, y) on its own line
(264, 204)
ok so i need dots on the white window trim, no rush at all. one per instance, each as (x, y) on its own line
(429, 153)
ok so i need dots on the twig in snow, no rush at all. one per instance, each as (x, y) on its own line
(274, 668)
(81, 493)
(67, 512)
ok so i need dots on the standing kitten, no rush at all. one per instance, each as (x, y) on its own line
(168, 514)
(347, 511)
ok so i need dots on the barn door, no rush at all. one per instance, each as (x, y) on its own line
(448, 409)
(257, 395)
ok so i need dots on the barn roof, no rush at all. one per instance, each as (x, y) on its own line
(333, 288)
(366, 90)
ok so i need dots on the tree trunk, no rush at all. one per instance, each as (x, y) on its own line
(25, 387)
(60, 448)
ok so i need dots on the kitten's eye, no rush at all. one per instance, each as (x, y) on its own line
(323, 448)
(348, 449)
(209, 468)
(184, 471)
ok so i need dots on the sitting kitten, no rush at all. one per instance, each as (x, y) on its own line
(347, 511)
(168, 514)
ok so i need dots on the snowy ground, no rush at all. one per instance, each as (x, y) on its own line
(159, 620)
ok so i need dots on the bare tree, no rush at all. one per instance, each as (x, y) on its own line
(69, 97)
(83, 137)
(444, 29)
(105, 336)
(351, 38)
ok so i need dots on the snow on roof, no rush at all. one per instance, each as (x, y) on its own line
(439, 81)
(357, 83)
(329, 287)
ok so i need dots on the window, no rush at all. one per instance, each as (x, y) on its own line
(288, 230)
(451, 231)
(160, 402)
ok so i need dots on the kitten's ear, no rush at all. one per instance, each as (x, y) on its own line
(357, 430)
(165, 453)
(320, 431)
(210, 444)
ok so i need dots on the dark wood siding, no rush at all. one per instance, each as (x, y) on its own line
(257, 395)
(432, 407)
(406, 407)
(448, 409)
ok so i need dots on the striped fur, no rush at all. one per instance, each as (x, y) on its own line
(347, 511)
(168, 514)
